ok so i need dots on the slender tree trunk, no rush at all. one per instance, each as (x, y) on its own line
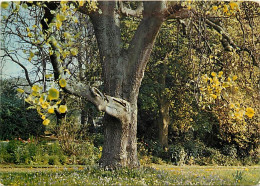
(164, 106)
(163, 121)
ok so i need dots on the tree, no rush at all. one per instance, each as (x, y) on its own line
(122, 65)
(123, 70)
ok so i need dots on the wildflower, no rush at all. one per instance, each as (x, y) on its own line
(53, 94)
(62, 108)
(250, 112)
(246, 169)
(62, 82)
(220, 73)
(46, 122)
(43, 117)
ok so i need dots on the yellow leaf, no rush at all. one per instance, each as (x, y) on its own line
(250, 112)
(62, 82)
(36, 88)
(81, 3)
(67, 35)
(46, 122)
(31, 54)
(62, 108)
(4, 5)
(74, 51)
(233, 5)
(225, 8)
(214, 8)
(45, 105)
(20, 90)
(51, 110)
(214, 96)
(53, 94)
(213, 74)
(30, 34)
(58, 25)
(60, 17)
(48, 76)
(220, 73)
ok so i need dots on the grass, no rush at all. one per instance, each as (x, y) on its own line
(150, 175)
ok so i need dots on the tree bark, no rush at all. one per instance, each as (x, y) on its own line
(123, 71)
(164, 106)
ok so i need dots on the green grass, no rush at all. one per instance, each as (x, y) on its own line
(152, 175)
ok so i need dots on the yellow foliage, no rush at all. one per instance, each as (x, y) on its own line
(213, 74)
(214, 8)
(48, 76)
(60, 17)
(250, 112)
(30, 34)
(63, 108)
(81, 3)
(58, 25)
(225, 8)
(51, 110)
(36, 88)
(45, 105)
(46, 122)
(233, 5)
(74, 51)
(4, 5)
(62, 82)
(20, 90)
(53, 94)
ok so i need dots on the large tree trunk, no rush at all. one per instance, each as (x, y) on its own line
(123, 71)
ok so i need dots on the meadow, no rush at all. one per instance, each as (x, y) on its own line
(152, 174)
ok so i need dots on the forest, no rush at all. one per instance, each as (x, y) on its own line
(129, 92)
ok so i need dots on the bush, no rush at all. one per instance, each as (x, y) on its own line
(16, 120)
(178, 154)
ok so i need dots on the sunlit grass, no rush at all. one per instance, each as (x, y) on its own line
(151, 175)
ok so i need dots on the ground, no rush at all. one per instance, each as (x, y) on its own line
(150, 175)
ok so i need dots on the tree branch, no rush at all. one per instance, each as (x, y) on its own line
(22, 66)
